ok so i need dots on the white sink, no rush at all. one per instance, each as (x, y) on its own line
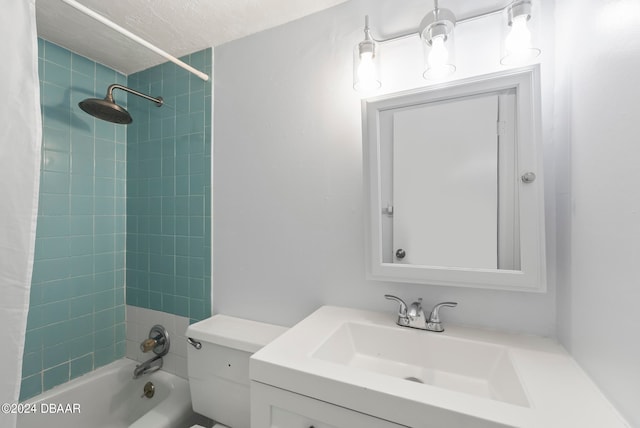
(463, 377)
(476, 368)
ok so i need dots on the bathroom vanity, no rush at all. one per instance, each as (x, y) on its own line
(343, 367)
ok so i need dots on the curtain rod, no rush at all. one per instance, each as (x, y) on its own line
(135, 38)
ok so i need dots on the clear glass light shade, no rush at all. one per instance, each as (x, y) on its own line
(366, 69)
(439, 57)
(518, 47)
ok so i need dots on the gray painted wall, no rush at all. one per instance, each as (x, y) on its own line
(288, 196)
(598, 202)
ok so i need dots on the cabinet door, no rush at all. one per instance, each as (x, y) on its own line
(276, 408)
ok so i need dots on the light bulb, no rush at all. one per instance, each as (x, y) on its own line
(366, 69)
(519, 39)
(439, 55)
(438, 65)
(518, 45)
(367, 73)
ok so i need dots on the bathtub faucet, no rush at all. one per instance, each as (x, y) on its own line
(158, 342)
(148, 366)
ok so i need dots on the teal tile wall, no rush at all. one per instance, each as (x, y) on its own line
(168, 190)
(76, 314)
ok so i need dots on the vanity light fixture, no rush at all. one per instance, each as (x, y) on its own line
(437, 36)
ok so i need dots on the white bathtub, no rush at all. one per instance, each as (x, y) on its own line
(110, 398)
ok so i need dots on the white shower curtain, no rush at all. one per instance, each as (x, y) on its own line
(20, 141)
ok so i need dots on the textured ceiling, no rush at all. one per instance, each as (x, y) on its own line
(180, 27)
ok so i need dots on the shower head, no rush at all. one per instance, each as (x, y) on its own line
(107, 109)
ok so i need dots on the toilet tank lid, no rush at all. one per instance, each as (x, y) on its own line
(236, 333)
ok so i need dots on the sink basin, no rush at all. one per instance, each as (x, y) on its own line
(465, 377)
(476, 368)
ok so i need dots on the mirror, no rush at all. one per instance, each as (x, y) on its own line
(453, 179)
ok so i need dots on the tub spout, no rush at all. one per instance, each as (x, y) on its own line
(151, 365)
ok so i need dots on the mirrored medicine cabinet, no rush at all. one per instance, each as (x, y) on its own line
(453, 184)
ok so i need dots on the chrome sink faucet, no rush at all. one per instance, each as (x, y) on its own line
(413, 316)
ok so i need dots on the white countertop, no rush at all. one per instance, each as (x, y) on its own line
(559, 392)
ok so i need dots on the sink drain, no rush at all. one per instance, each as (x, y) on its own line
(413, 379)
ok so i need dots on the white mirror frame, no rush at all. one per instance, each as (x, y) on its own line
(532, 274)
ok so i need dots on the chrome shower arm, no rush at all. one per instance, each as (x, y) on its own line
(159, 101)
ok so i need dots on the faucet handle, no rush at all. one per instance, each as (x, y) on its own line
(434, 324)
(148, 344)
(435, 313)
(403, 306)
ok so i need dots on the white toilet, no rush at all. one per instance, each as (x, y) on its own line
(218, 364)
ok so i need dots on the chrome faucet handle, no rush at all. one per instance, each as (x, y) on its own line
(403, 320)
(403, 306)
(434, 324)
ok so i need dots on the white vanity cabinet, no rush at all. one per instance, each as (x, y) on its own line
(277, 408)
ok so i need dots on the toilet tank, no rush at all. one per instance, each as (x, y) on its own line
(219, 370)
